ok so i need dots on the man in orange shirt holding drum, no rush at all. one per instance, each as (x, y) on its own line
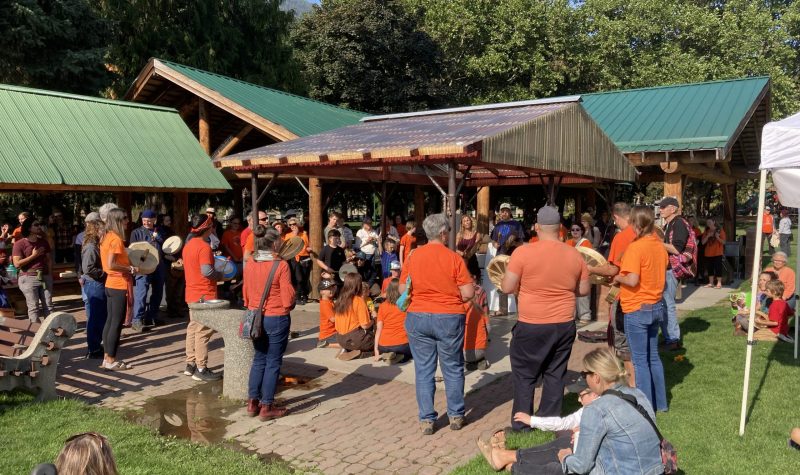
(547, 277)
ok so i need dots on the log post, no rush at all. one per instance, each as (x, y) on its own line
(451, 204)
(419, 205)
(203, 127)
(125, 201)
(673, 186)
(729, 211)
(315, 230)
(483, 209)
(180, 213)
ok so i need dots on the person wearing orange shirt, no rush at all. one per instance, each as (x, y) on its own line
(440, 284)
(642, 279)
(327, 329)
(201, 284)
(391, 341)
(394, 273)
(354, 326)
(713, 240)
(231, 242)
(547, 276)
(767, 226)
(301, 264)
(408, 241)
(398, 224)
(786, 275)
(476, 333)
(119, 285)
(246, 237)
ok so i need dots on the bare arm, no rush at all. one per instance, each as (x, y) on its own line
(608, 270)
(378, 330)
(671, 249)
(510, 283)
(630, 280)
(467, 292)
(112, 265)
(583, 288)
(22, 262)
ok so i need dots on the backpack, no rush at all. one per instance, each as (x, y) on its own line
(684, 264)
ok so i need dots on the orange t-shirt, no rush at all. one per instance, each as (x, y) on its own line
(16, 234)
(112, 244)
(326, 326)
(249, 245)
(768, 224)
(534, 239)
(619, 244)
(407, 242)
(197, 252)
(786, 275)
(357, 315)
(475, 337)
(585, 243)
(646, 257)
(232, 239)
(550, 272)
(713, 247)
(393, 332)
(436, 275)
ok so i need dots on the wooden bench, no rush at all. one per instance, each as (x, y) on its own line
(29, 352)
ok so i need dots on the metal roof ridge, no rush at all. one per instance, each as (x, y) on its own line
(80, 97)
(667, 86)
(344, 109)
(452, 110)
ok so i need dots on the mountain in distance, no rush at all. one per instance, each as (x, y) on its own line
(299, 6)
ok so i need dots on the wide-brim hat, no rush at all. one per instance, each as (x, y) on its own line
(172, 245)
(143, 256)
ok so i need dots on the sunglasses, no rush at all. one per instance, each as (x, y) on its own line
(576, 229)
(586, 373)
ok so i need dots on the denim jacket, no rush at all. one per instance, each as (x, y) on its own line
(616, 439)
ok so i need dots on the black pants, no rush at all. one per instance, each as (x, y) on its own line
(542, 459)
(714, 266)
(300, 275)
(539, 352)
(117, 305)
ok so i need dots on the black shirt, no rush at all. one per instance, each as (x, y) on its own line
(333, 257)
(680, 233)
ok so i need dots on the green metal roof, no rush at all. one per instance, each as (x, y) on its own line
(63, 141)
(300, 115)
(681, 117)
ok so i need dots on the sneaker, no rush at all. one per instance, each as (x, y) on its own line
(396, 359)
(483, 364)
(785, 338)
(271, 411)
(137, 326)
(456, 423)
(427, 427)
(94, 355)
(190, 369)
(349, 355)
(387, 356)
(206, 374)
(322, 344)
(253, 407)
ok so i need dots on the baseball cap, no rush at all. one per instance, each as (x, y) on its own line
(93, 216)
(367, 219)
(326, 284)
(505, 205)
(149, 214)
(548, 215)
(394, 265)
(767, 208)
(361, 255)
(668, 201)
(210, 210)
(578, 386)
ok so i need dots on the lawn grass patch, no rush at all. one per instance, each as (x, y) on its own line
(705, 391)
(34, 433)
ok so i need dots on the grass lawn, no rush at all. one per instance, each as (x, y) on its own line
(34, 433)
(705, 391)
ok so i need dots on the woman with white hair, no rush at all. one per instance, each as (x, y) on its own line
(440, 284)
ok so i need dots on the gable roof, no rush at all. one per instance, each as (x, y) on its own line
(56, 141)
(707, 115)
(279, 114)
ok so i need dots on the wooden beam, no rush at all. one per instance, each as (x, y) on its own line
(315, 230)
(162, 93)
(483, 208)
(180, 213)
(673, 185)
(419, 205)
(225, 148)
(697, 171)
(729, 210)
(650, 159)
(188, 111)
(204, 130)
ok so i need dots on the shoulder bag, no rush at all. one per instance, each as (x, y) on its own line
(252, 325)
(669, 456)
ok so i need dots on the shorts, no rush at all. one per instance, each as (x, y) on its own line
(620, 342)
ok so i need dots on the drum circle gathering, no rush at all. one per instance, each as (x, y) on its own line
(396, 294)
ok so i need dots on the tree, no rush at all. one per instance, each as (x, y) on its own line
(244, 39)
(368, 55)
(53, 44)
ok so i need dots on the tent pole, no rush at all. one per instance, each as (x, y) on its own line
(762, 191)
(254, 197)
(797, 284)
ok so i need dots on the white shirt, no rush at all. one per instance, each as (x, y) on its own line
(785, 226)
(361, 241)
(555, 424)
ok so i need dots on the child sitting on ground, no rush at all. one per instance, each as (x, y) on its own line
(327, 329)
(476, 330)
(776, 321)
(391, 341)
(388, 256)
(354, 327)
(394, 273)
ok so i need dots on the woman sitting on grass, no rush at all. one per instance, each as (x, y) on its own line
(354, 327)
(88, 453)
(391, 341)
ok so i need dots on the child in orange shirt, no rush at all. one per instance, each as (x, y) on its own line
(476, 330)
(327, 329)
(394, 273)
(391, 341)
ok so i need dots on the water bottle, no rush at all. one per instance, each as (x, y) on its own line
(11, 272)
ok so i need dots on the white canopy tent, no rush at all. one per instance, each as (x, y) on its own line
(780, 156)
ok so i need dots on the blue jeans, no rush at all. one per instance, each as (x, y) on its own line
(268, 358)
(94, 300)
(641, 328)
(669, 324)
(155, 283)
(439, 336)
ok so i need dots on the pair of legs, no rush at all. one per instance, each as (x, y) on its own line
(145, 311)
(786, 245)
(116, 308)
(301, 270)
(714, 266)
(197, 338)
(539, 352)
(38, 295)
(432, 337)
(620, 341)
(404, 350)
(94, 300)
(669, 325)
(358, 339)
(539, 460)
(268, 357)
(641, 328)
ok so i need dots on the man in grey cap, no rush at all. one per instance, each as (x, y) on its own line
(677, 233)
(547, 277)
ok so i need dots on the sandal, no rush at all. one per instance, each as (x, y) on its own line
(708, 286)
(486, 450)
(118, 365)
(495, 439)
(719, 286)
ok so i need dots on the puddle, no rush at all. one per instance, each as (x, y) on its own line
(200, 414)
